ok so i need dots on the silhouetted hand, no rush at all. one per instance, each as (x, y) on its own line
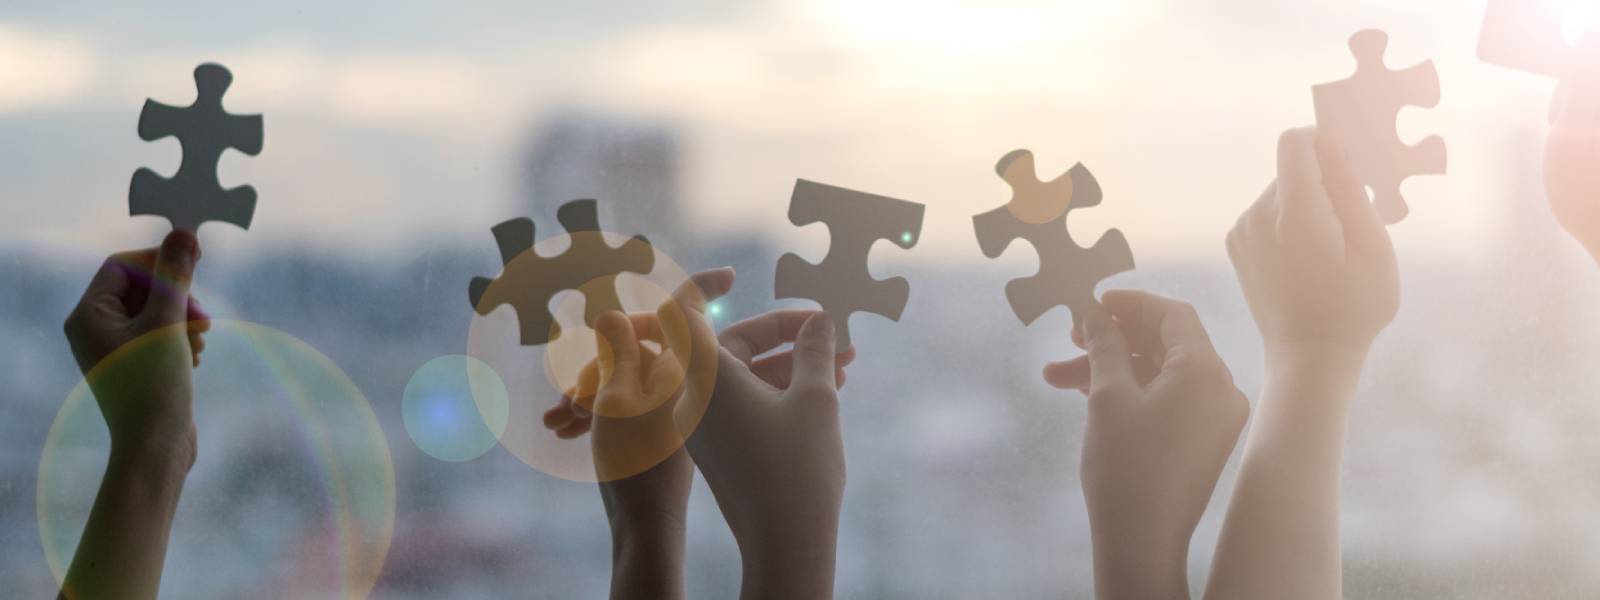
(137, 311)
(1164, 416)
(1314, 259)
(136, 335)
(770, 445)
(1572, 152)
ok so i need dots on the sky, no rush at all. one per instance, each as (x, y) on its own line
(389, 126)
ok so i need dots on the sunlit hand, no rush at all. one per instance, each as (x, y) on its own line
(771, 448)
(137, 335)
(1164, 416)
(1312, 255)
(1572, 152)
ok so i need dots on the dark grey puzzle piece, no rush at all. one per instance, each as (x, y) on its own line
(530, 281)
(1067, 273)
(841, 283)
(194, 195)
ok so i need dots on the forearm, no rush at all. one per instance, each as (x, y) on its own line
(1281, 535)
(798, 566)
(124, 542)
(1131, 566)
(647, 560)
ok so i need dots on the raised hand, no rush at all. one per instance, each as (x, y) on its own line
(770, 446)
(137, 336)
(1572, 152)
(629, 399)
(1314, 259)
(1164, 416)
(1319, 274)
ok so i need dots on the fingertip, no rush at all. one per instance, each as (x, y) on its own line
(181, 244)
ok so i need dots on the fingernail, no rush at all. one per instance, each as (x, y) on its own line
(822, 323)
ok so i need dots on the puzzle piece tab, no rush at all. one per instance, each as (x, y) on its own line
(194, 195)
(590, 266)
(841, 283)
(1360, 113)
(1068, 272)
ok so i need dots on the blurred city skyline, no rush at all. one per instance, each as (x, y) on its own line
(396, 127)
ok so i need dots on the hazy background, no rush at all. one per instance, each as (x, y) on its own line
(396, 136)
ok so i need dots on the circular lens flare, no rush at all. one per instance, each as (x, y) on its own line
(293, 481)
(455, 408)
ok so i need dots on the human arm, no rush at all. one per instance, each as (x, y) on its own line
(769, 443)
(644, 472)
(1319, 274)
(1572, 150)
(1164, 416)
(137, 336)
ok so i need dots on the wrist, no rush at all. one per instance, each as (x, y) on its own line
(1140, 564)
(791, 563)
(163, 456)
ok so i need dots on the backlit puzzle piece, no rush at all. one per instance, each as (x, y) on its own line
(841, 283)
(194, 195)
(1360, 113)
(1068, 272)
(529, 281)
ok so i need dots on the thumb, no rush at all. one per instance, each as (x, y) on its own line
(1364, 231)
(814, 355)
(619, 357)
(1110, 364)
(169, 289)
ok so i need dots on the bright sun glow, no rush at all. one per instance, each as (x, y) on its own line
(1580, 19)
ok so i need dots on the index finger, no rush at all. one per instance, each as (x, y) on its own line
(1170, 329)
(757, 335)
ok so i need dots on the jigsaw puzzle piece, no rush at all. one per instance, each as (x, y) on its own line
(1033, 200)
(1032, 297)
(841, 283)
(513, 237)
(1425, 158)
(529, 281)
(152, 194)
(204, 129)
(1067, 273)
(1360, 113)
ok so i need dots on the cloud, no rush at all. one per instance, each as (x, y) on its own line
(40, 69)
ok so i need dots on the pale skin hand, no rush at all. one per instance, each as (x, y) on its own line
(1164, 416)
(1319, 274)
(775, 465)
(771, 449)
(137, 336)
(1572, 152)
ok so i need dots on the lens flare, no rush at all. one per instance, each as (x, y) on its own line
(494, 340)
(455, 408)
(294, 481)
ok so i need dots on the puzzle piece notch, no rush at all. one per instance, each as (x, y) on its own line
(1032, 200)
(1068, 273)
(841, 283)
(204, 129)
(590, 266)
(1360, 113)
